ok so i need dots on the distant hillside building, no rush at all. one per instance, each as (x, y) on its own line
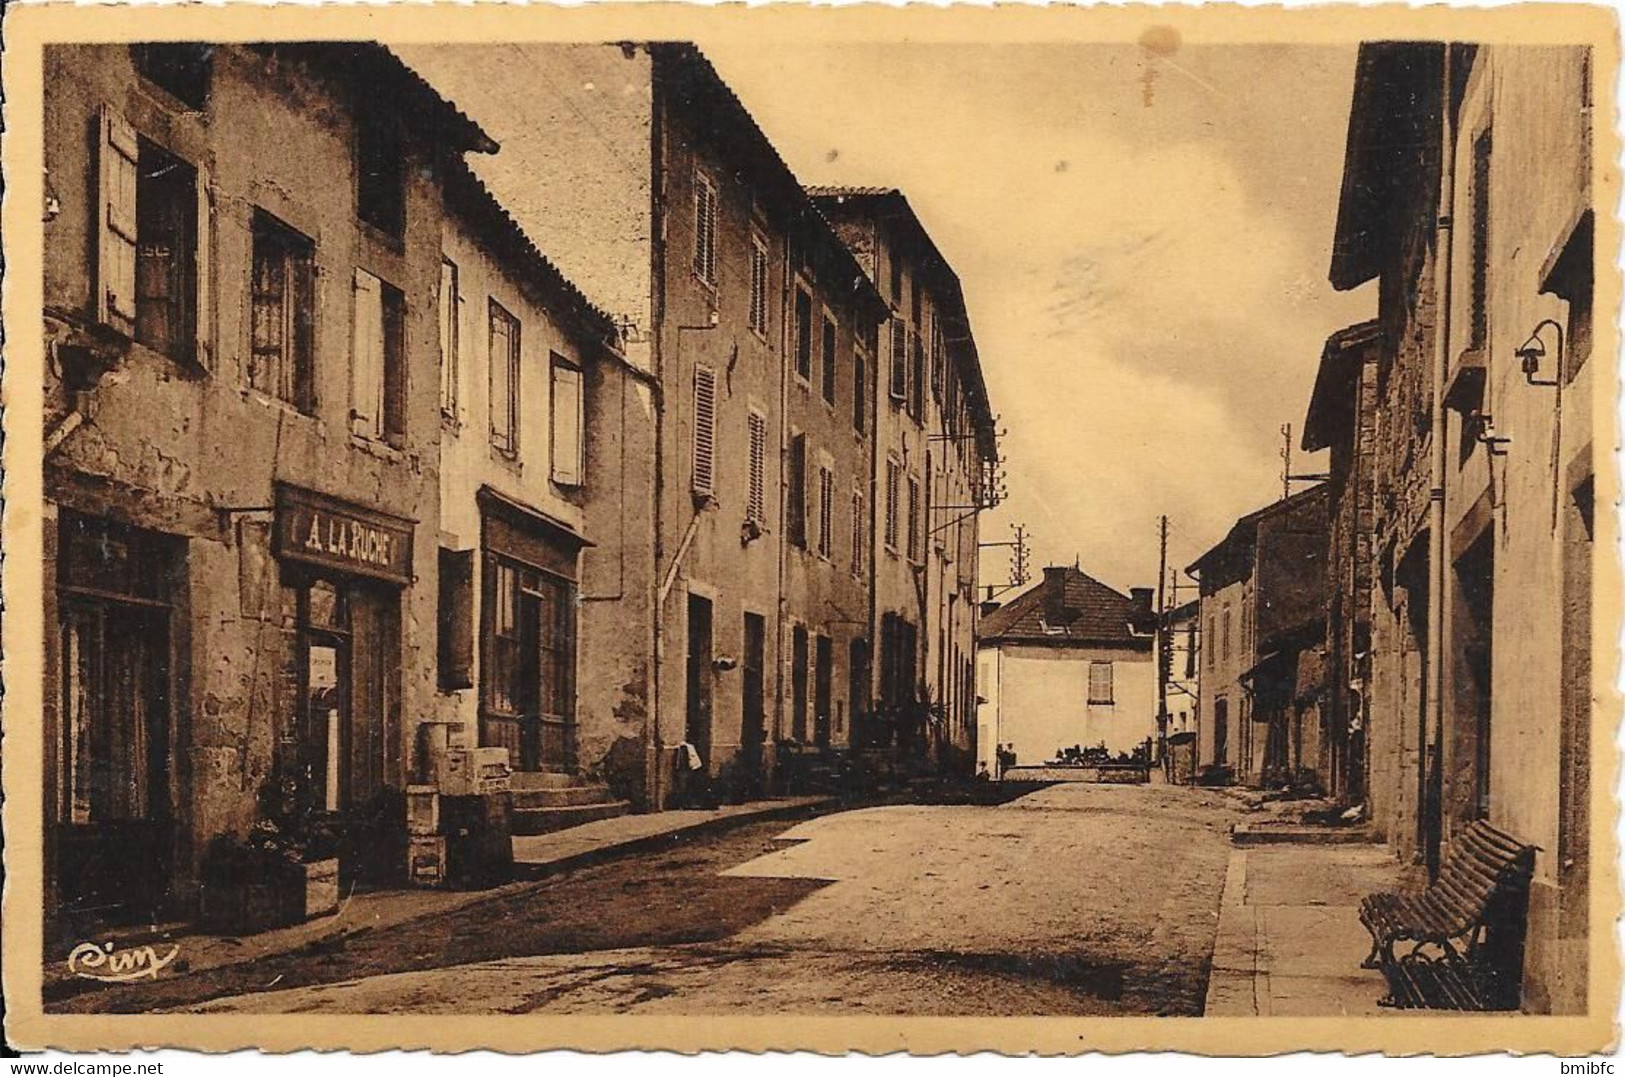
(1068, 663)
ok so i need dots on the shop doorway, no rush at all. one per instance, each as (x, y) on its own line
(697, 727)
(754, 725)
(529, 704)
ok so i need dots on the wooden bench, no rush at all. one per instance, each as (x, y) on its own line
(1458, 944)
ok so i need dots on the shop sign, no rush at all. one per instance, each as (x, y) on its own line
(321, 530)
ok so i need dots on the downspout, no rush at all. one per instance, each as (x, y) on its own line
(653, 741)
(1444, 252)
(781, 566)
(874, 554)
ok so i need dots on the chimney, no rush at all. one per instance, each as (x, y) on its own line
(1056, 612)
(1141, 597)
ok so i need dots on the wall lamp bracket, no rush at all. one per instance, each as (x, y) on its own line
(1497, 443)
(1533, 350)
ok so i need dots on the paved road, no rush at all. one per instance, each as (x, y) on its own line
(1072, 900)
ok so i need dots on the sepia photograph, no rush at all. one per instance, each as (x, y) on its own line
(527, 525)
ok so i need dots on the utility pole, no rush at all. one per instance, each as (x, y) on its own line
(1018, 561)
(1164, 644)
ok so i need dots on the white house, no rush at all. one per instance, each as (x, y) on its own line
(1066, 664)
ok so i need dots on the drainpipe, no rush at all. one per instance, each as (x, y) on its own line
(653, 741)
(1444, 251)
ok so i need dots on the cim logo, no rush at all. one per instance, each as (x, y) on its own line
(93, 961)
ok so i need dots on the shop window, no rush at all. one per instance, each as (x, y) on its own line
(282, 353)
(456, 620)
(530, 643)
(180, 69)
(568, 428)
(377, 368)
(503, 355)
(381, 173)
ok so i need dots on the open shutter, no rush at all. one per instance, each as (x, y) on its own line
(366, 356)
(456, 620)
(566, 425)
(204, 321)
(756, 507)
(899, 359)
(116, 235)
(705, 430)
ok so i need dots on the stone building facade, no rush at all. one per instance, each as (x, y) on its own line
(1506, 333)
(1342, 418)
(935, 453)
(241, 466)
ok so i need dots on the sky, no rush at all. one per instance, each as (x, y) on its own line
(1143, 233)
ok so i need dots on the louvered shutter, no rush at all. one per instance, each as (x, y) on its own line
(858, 532)
(705, 430)
(891, 504)
(899, 359)
(116, 236)
(797, 508)
(756, 506)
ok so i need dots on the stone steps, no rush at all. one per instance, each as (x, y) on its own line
(527, 821)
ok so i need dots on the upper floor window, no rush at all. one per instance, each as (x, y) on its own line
(860, 392)
(826, 511)
(450, 360)
(381, 173)
(758, 285)
(829, 360)
(892, 483)
(569, 442)
(898, 381)
(804, 334)
(181, 69)
(916, 545)
(377, 363)
(705, 228)
(150, 261)
(796, 510)
(860, 530)
(504, 362)
(282, 339)
(896, 279)
(916, 376)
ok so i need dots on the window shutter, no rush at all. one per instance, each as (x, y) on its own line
(860, 396)
(203, 328)
(567, 425)
(756, 506)
(797, 507)
(116, 236)
(859, 532)
(891, 504)
(899, 359)
(456, 620)
(705, 430)
(366, 355)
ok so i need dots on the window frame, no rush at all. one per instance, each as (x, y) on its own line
(449, 311)
(759, 317)
(1096, 699)
(296, 326)
(389, 220)
(503, 441)
(575, 474)
(706, 200)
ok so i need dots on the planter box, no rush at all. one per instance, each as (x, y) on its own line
(321, 887)
(281, 895)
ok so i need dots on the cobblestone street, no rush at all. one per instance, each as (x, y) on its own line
(1076, 899)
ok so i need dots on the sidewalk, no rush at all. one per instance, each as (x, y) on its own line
(534, 858)
(1289, 941)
